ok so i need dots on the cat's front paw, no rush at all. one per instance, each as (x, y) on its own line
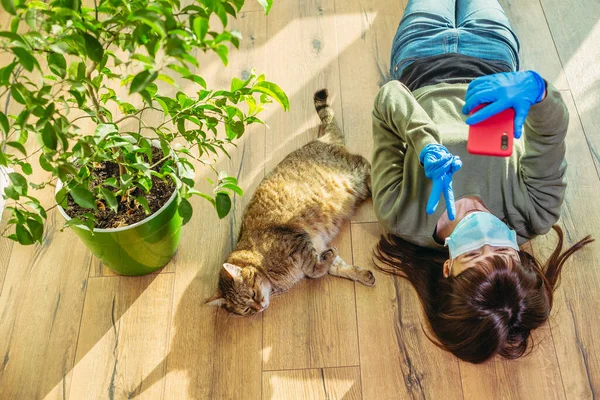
(366, 277)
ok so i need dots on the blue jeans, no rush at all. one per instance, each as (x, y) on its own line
(477, 28)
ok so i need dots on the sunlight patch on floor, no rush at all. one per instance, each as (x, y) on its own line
(587, 76)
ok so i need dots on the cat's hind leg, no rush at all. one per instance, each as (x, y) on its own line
(352, 272)
(317, 265)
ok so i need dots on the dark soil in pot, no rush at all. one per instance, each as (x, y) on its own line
(129, 211)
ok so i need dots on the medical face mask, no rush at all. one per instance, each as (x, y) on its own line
(478, 229)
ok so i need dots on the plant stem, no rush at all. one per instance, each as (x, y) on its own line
(26, 158)
(134, 115)
(82, 117)
(159, 161)
(96, 103)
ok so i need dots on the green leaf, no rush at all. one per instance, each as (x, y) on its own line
(203, 195)
(266, 4)
(18, 146)
(234, 188)
(26, 167)
(273, 91)
(222, 52)
(73, 4)
(6, 72)
(49, 137)
(14, 24)
(152, 20)
(14, 37)
(180, 70)
(103, 130)
(57, 64)
(163, 105)
(45, 163)
(185, 210)
(126, 180)
(20, 93)
(19, 183)
(11, 193)
(237, 84)
(31, 19)
(167, 79)
(142, 80)
(23, 235)
(61, 197)
(38, 208)
(9, 6)
(144, 203)
(200, 28)
(223, 204)
(27, 60)
(111, 182)
(110, 199)
(196, 78)
(94, 49)
(36, 229)
(83, 197)
(4, 123)
(127, 108)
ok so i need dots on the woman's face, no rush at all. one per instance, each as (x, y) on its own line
(468, 260)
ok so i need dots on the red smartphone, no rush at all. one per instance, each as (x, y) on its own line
(494, 136)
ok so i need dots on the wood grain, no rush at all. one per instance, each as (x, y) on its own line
(365, 31)
(213, 354)
(313, 324)
(576, 32)
(575, 315)
(538, 51)
(535, 376)
(309, 384)
(306, 30)
(98, 269)
(166, 344)
(6, 246)
(40, 305)
(123, 335)
(397, 360)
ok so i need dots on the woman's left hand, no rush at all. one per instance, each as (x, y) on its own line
(439, 166)
(519, 90)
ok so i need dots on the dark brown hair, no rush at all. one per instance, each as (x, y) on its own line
(485, 310)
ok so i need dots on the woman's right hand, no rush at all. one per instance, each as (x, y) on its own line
(439, 166)
(519, 90)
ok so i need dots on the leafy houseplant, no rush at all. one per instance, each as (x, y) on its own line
(64, 63)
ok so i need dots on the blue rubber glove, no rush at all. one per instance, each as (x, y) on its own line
(519, 90)
(439, 166)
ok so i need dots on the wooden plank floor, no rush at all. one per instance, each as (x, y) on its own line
(71, 329)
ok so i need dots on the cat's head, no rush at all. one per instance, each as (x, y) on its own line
(242, 291)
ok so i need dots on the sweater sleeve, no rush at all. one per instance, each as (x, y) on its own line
(543, 164)
(400, 125)
(398, 112)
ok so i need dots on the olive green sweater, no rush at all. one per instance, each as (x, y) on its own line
(525, 190)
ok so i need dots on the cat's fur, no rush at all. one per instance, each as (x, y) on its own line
(292, 218)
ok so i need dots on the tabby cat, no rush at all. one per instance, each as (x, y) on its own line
(292, 218)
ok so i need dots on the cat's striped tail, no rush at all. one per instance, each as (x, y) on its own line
(329, 132)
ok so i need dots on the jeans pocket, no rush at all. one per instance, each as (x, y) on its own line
(405, 62)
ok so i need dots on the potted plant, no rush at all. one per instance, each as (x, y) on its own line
(124, 191)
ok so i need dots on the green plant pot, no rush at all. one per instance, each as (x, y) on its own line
(137, 249)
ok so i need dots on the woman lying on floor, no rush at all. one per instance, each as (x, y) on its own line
(481, 293)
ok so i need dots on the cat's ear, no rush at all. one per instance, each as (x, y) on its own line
(233, 270)
(216, 301)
